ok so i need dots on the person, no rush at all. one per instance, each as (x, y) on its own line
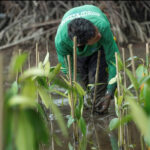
(92, 29)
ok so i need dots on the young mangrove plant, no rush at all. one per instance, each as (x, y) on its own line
(25, 123)
(133, 100)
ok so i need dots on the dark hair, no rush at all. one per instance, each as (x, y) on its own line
(82, 28)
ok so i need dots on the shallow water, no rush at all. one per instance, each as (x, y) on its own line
(98, 135)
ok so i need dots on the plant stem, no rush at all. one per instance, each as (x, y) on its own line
(75, 58)
(71, 95)
(120, 130)
(96, 79)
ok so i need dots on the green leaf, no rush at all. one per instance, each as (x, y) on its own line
(17, 63)
(79, 89)
(40, 125)
(140, 118)
(24, 133)
(70, 146)
(146, 96)
(113, 80)
(120, 100)
(83, 143)
(32, 72)
(47, 68)
(22, 101)
(132, 79)
(70, 121)
(53, 74)
(82, 125)
(46, 59)
(12, 91)
(113, 124)
(58, 92)
(49, 103)
(29, 89)
(140, 72)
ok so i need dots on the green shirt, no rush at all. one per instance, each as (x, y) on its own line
(64, 45)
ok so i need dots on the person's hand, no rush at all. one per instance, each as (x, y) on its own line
(103, 104)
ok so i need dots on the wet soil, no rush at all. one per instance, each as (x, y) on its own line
(97, 126)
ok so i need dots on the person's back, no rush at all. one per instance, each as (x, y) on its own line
(93, 32)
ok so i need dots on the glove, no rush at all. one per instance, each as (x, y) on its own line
(103, 104)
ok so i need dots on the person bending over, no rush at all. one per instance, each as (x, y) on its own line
(92, 29)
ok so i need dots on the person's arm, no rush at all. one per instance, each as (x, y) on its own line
(110, 47)
(62, 52)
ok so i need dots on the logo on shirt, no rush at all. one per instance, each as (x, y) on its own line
(78, 15)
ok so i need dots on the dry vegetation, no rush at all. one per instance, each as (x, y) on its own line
(22, 22)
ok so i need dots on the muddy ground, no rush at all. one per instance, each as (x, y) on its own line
(102, 138)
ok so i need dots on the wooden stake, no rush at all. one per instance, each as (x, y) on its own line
(1, 102)
(132, 59)
(124, 65)
(147, 56)
(36, 54)
(20, 54)
(75, 58)
(72, 101)
(29, 65)
(96, 79)
(117, 71)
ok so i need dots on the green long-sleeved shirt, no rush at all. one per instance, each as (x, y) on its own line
(64, 45)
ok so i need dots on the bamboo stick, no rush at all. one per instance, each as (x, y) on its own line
(132, 59)
(20, 54)
(147, 56)
(117, 71)
(1, 102)
(75, 58)
(96, 79)
(71, 96)
(29, 63)
(120, 130)
(125, 112)
(36, 52)
(124, 65)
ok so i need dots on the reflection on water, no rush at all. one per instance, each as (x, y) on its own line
(98, 135)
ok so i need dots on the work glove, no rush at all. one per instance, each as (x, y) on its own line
(102, 106)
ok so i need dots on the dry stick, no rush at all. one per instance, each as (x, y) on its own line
(132, 59)
(75, 75)
(29, 63)
(71, 96)
(20, 54)
(1, 102)
(96, 79)
(36, 51)
(120, 133)
(124, 65)
(126, 132)
(75, 58)
(147, 56)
